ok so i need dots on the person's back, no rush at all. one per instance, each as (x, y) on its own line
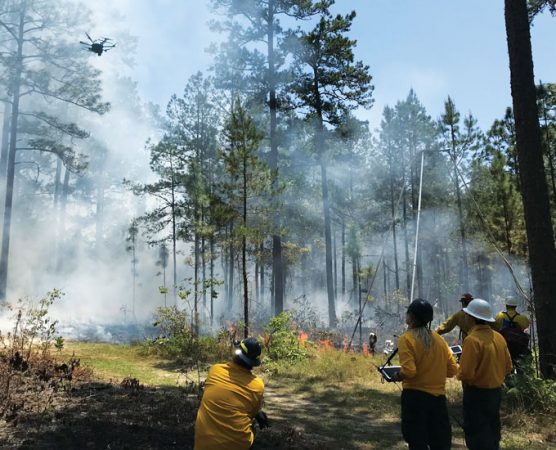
(425, 362)
(485, 361)
(231, 399)
(427, 369)
(511, 326)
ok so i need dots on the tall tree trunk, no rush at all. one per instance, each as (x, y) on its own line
(174, 237)
(263, 296)
(406, 246)
(62, 224)
(540, 237)
(464, 271)
(277, 259)
(10, 177)
(244, 254)
(5, 150)
(212, 291)
(394, 240)
(196, 281)
(328, 245)
(230, 296)
(343, 260)
(335, 260)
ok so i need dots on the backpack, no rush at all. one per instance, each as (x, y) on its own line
(517, 339)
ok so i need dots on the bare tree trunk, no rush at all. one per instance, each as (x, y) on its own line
(244, 254)
(328, 245)
(335, 259)
(212, 290)
(62, 224)
(5, 147)
(230, 296)
(343, 260)
(277, 259)
(10, 177)
(536, 205)
(196, 282)
(406, 245)
(394, 239)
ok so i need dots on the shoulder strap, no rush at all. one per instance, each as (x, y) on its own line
(511, 319)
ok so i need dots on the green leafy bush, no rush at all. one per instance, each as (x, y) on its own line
(529, 393)
(177, 341)
(281, 342)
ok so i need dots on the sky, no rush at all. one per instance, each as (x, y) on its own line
(438, 48)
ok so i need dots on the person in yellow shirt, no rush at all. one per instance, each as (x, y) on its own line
(232, 398)
(457, 319)
(426, 361)
(511, 317)
(485, 361)
(511, 325)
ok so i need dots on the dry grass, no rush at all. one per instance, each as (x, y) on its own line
(332, 401)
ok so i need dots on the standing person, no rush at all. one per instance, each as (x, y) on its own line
(511, 318)
(485, 361)
(372, 343)
(457, 319)
(232, 398)
(426, 361)
(512, 326)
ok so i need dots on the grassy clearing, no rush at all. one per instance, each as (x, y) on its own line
(114, 362)
(332, 401)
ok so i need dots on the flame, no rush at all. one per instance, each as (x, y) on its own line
(326, 345)
(365, 350)
(302, 338)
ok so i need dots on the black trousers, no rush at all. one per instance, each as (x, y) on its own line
(481, 418)
(425, 421)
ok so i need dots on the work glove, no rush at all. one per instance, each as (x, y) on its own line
(262, 420)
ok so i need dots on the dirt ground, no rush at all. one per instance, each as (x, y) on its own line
(101, 415)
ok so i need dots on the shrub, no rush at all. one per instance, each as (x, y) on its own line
(29, 376)
(281, 342)
(529, 393)
(177, 341)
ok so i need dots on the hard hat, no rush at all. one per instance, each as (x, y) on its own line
(249, 351)
(480, 309)
(421, 310)
(511, 301)
(466, 298)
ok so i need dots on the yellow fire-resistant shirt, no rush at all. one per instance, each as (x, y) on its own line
(455, 320)
(425, 369)
(233, 395)
(502, 320)
(485, 360)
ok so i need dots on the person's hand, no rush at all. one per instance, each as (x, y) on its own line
(262, 420)
(397, 376)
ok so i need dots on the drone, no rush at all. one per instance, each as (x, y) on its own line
(98, 46)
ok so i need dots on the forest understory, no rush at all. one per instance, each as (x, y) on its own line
(344, 406)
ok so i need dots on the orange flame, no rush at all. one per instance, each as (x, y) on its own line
(326, 345)
(302, 338)
(365, 350)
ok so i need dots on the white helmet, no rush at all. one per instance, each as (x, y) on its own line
(511, 301)
(480, 309)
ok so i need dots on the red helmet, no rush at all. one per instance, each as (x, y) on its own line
(466, 298)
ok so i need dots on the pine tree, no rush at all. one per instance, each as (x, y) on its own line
(249, 181)
(328, 83)
(534, 189)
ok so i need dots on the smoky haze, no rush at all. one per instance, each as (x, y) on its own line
(71, 228)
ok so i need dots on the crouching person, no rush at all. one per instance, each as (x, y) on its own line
(485, 361)
(232, 398)
(426, 361)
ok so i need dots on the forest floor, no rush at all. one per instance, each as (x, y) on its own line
(335, 401)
